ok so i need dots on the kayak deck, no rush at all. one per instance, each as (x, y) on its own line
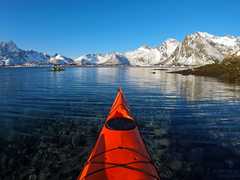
(119, 151)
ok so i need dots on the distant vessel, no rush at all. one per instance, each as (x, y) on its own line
(57, 68)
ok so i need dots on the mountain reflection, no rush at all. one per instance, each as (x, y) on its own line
(50, 120)
(190, 87)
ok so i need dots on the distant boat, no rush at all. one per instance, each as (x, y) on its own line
(57, 68)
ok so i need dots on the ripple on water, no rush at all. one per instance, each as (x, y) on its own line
(191, 124)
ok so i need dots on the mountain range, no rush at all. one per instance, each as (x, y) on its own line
(196, 49)
(10, 54)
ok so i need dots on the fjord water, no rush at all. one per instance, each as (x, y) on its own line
(49, 120)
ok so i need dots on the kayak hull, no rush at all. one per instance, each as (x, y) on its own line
(119, 154)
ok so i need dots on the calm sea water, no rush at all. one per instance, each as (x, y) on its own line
(49, 121)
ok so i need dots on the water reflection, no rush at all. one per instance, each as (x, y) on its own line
(50, 120)
(190, 87)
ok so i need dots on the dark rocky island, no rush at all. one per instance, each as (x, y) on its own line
(227, 71)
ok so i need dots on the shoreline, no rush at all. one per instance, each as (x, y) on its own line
(155, 68)
(228, 71)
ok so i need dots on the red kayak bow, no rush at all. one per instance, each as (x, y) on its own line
(119, 152)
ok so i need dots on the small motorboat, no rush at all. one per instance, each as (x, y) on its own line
(57, 68)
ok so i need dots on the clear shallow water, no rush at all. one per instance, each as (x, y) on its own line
(49, 121)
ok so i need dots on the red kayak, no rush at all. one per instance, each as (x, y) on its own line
(119, 153)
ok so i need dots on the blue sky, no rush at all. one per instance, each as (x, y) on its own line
(76, 27)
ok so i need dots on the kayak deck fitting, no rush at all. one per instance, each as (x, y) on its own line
(120, 152)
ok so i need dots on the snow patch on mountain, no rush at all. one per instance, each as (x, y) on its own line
(144, 56)
(102, 59)
(238, 53)
(10, 54)
(229, 41)
(34, 57)
(147, 56)
(90, 59)
(198, 48)
(59, 59)
(6, 47)
(224, 44)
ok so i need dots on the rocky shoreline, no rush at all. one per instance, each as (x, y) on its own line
(227, 71)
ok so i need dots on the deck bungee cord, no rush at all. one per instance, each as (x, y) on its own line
(120, 152)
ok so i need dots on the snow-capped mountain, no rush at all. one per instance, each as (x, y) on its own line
(102, 59)
(59, 59)
(147, 56)
(202, 48)
(143, 56)
(224, 44)
(89, 59)
(115, 59)
(195, 50)
(6, 47)
(34, 57)
(10, 54)
(199, 48)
